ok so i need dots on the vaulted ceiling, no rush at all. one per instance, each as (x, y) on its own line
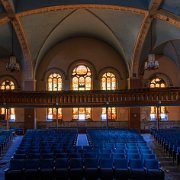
(126, 25)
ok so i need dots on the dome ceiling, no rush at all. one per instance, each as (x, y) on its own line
(39, 25)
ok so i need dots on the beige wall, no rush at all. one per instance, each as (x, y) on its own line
(19, 114)
(122, 114)
(96, 54)
(174, 113)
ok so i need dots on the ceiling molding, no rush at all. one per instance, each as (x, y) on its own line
(146, 24)
(81, 6)
(168, 17)
(22, 38)
(154, 6)
(139, 45)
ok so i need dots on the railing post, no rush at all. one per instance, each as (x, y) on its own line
(158, 114)
(56, 115)
(7, 118)
(107, 123)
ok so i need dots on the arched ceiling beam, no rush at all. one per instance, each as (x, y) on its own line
(153, 8)
(168, 17)
(9, 8)
(81, 6)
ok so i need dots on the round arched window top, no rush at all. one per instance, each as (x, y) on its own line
(81, 70)
(81, 78)
(157, 83)
(7, 85)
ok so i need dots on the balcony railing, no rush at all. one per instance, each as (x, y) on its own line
(121, 98)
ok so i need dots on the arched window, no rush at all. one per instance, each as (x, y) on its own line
(8, 85)
(54, 84)
(108, 82)
(158, 83)
(81, 78)
(81, 81)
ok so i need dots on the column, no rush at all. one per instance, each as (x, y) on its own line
(29, 113)
(134, 112)
(107, 120)
(29, 120)
(56, 117)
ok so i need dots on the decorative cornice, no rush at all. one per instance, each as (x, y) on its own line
(168, 17)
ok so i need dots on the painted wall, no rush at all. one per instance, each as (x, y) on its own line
(97, 54)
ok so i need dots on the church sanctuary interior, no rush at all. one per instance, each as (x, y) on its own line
(89, 89)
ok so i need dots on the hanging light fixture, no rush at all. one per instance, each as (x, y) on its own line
(151, 63)
(12, 65)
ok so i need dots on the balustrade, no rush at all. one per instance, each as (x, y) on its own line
(148, 97)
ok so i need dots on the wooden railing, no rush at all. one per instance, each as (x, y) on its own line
(133, 97)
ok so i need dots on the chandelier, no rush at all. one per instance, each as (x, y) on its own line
(12, 65)
(151, 63)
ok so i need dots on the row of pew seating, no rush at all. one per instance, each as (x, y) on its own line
(169, 140)
(110, 136)
(53, 154)
(5, 138)
(89, 169)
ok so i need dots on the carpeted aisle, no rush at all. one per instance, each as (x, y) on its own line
(82, 140)
(4, 162)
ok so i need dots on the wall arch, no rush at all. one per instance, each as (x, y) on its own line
(112, 70)
(11, 78)
(163, 76)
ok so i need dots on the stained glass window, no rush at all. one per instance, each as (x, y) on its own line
(108, 82)
(81, 78)
(8, 85)
(158, 83)
(81, 81)
(54, 84)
